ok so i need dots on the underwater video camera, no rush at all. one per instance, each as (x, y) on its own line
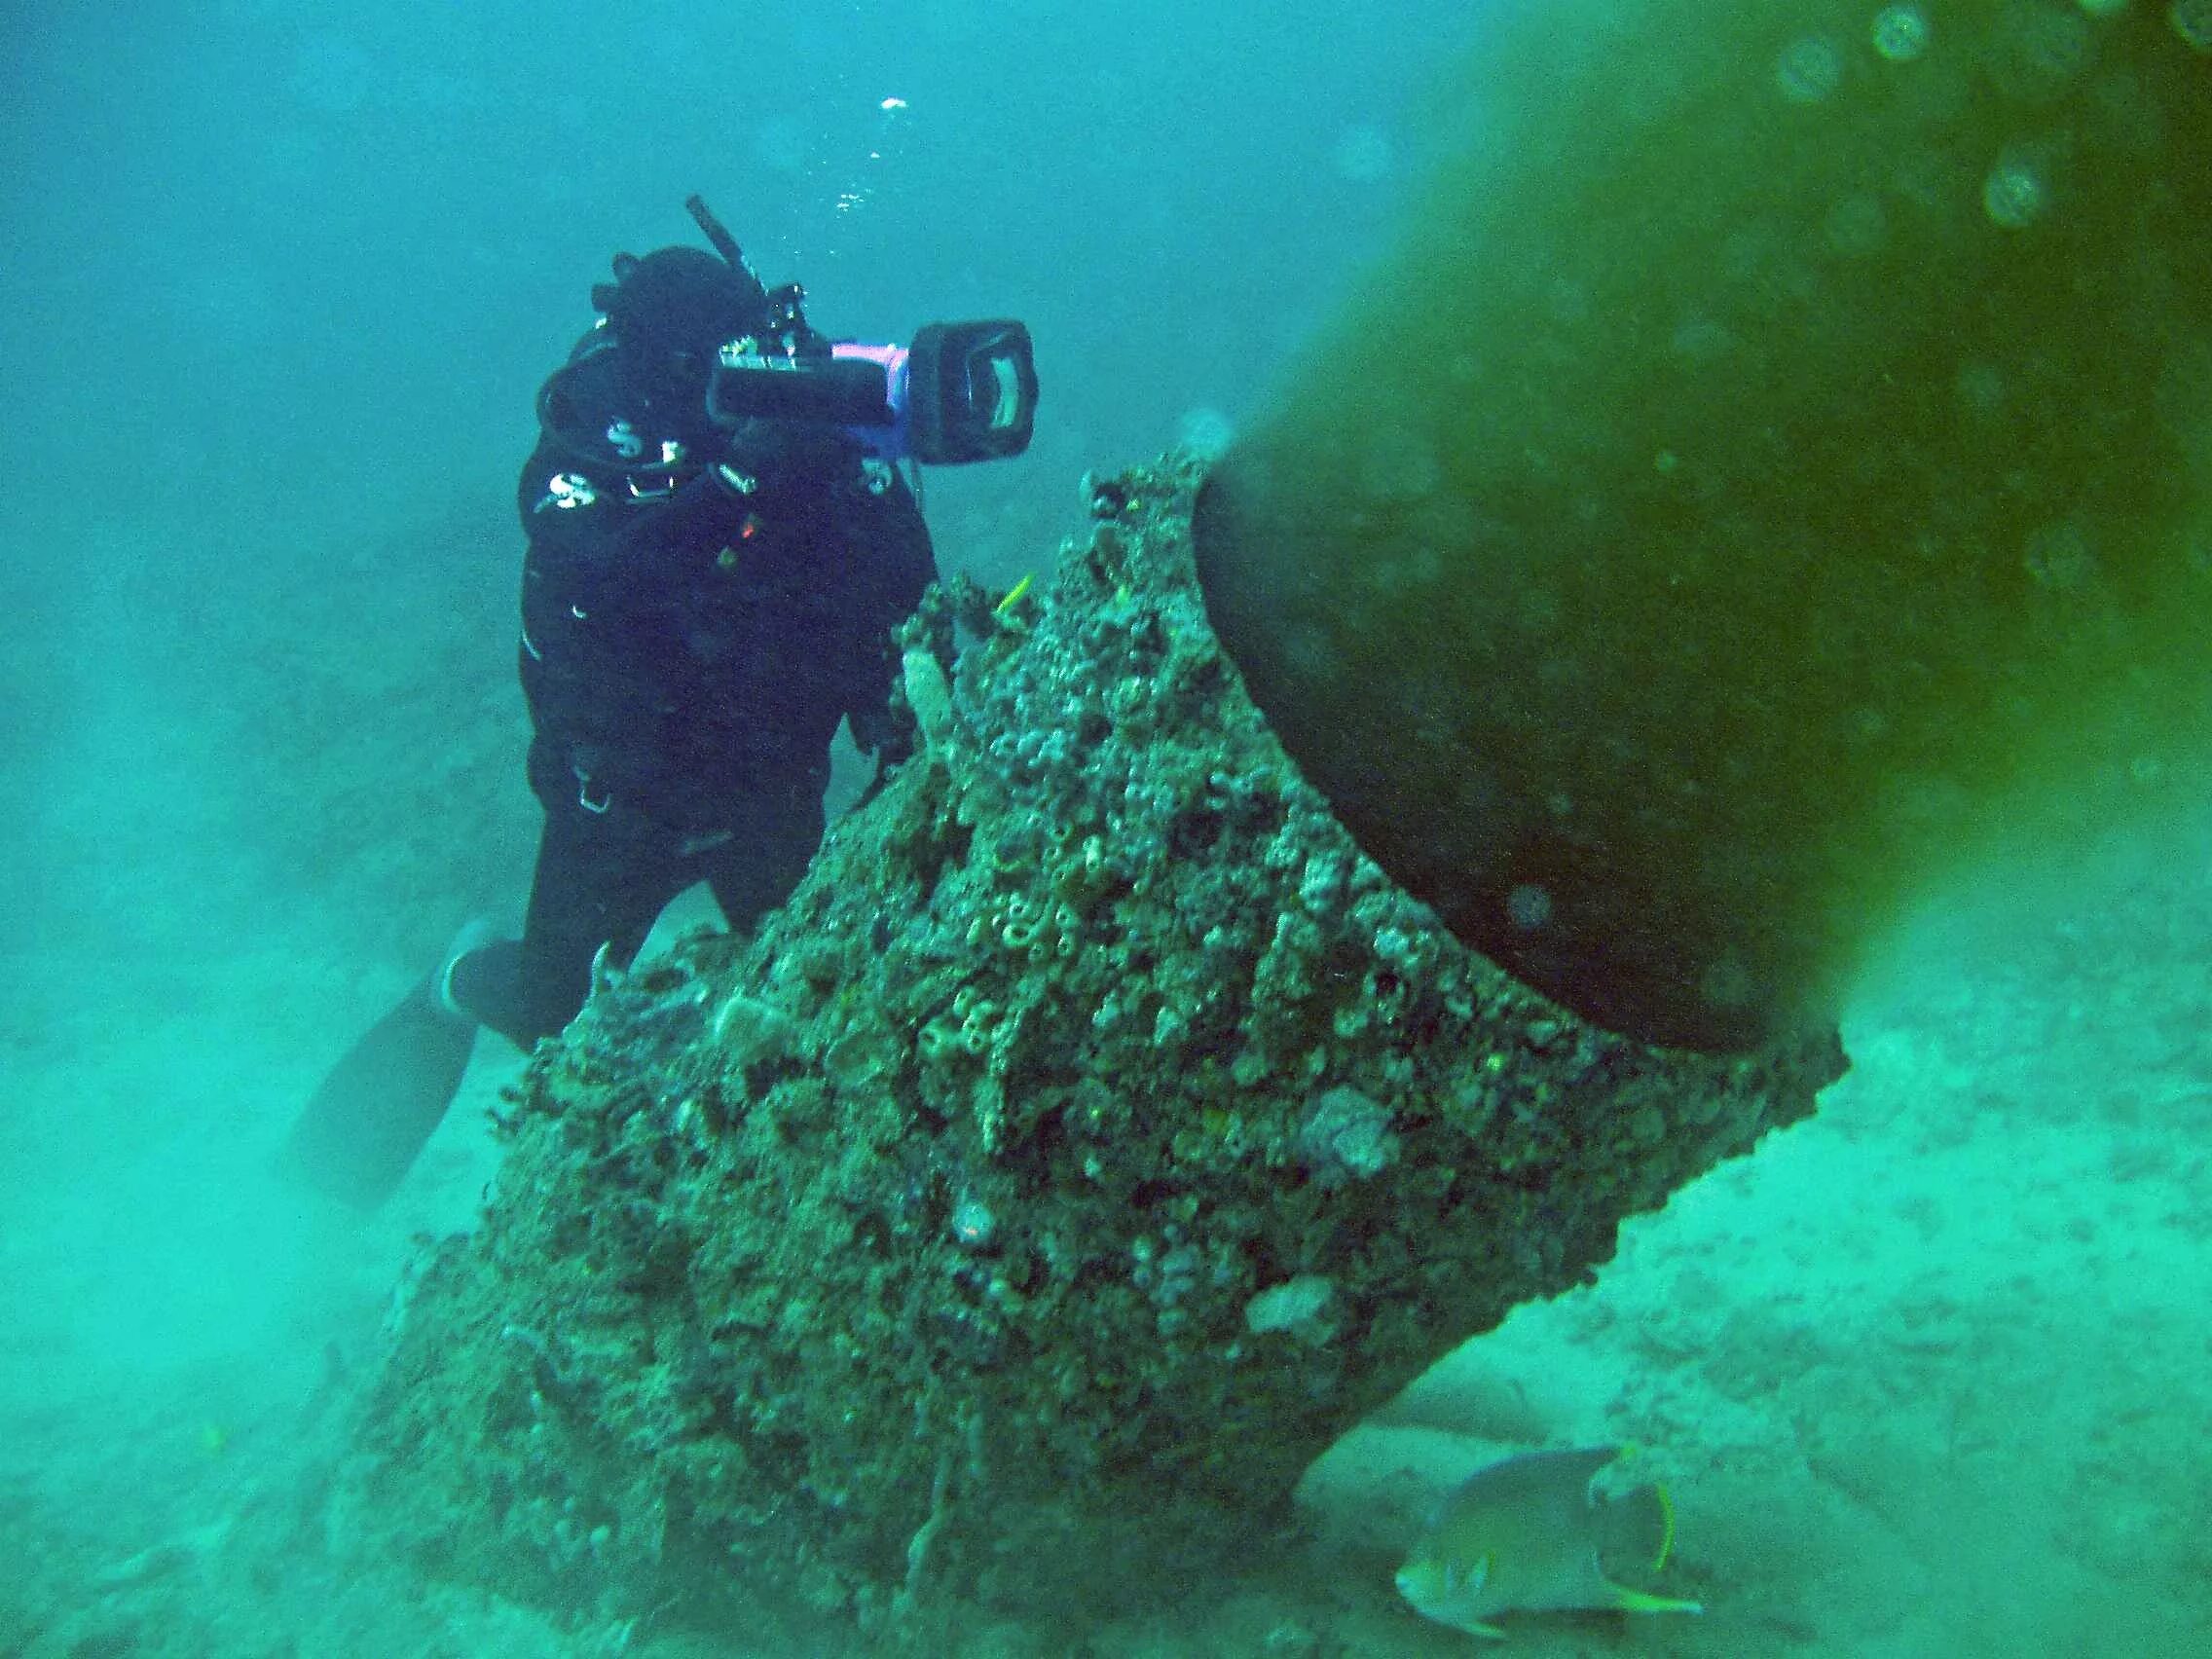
(961, 391)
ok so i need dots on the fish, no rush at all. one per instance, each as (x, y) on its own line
(1534, 1535)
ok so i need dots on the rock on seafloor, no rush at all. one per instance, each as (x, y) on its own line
(1095, 1137)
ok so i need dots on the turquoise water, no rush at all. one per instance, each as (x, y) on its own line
(1928, 1375)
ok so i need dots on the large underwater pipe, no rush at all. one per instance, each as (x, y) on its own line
(1775, 468)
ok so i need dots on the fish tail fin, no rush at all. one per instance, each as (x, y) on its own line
(1641, 1601)
(1475, 1627)
(1637, 1529)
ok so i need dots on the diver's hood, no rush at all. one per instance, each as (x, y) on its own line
(680, 302)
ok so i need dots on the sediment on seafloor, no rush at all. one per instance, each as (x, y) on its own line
(1095, 1136)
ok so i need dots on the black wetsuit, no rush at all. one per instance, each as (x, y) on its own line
(688, 649)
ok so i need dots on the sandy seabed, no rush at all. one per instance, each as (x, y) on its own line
(1927, 1374)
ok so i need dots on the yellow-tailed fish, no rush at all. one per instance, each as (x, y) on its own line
(1532, 1535)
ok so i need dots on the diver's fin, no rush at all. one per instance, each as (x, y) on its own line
(360, 1132)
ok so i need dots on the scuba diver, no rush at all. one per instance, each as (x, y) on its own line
(721, 544)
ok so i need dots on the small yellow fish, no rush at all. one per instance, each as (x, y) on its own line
(1530, 1535)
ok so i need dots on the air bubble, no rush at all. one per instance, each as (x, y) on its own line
(2038, 52)
(2058, 558)
(2182, 393)
(1206, 432)
(1857, 227)
(1980, 390)
(1528, 906)
(1702, 339)
(1398, 468)
(1900, 33)
(2014, 194)
(1810, 71)
(1363, 154)
(2193, 22)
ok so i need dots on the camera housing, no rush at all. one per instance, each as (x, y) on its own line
(961, 392)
